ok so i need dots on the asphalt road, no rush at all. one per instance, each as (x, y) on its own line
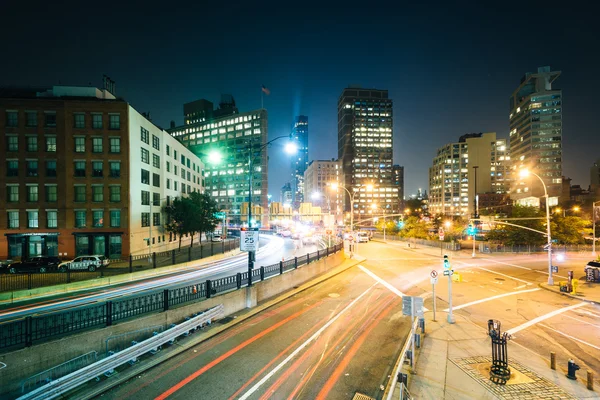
(329, 342)
(272, 250)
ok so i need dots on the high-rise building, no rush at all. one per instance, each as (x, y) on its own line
(300, 160)
(398, 174)
(317, 179)
(365, 138)
(478, 163)
(536, 137)
(235, 136)
(286, 195)
(83, 172)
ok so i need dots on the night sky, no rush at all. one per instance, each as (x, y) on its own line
(449, 70)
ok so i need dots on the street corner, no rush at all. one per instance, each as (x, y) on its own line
(588, 292)
(461, 329)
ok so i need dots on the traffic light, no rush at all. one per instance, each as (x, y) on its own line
(446, 262)
(400, 224)
(471, 230)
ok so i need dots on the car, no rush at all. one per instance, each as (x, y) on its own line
(362, 237)
(592, 271)
(308, 240)
(285, 233)
(40, 264)
(216, 238)
(84, 263)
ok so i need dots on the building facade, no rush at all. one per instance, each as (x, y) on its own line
(398, 174)
(365, 142)
(73, 183)
(236, 137)
(595, 179)
(477, 164)
(300, 160)
(287, 195)
(536, 137)
(318, 178)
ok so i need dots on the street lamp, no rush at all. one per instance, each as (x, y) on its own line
(564, 210)
(523, 174)
(335, 186)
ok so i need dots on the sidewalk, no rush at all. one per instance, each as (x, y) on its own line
(586, 291)
(454, 359)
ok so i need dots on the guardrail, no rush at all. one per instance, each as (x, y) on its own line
(63, 385)
(24, 332)
(408, 344)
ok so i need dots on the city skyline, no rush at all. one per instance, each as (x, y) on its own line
(442, 88)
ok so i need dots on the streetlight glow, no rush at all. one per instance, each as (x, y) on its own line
(447, 224)
(315, 196)
(334, 186)
(215, 157)
(524, 173)
(291, 148)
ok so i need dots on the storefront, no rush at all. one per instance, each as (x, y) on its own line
(26, 245)
(107, 244)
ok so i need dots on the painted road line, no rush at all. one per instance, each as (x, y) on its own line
(282, 364)
(491, 298)
(555, 274)
(508, 276)
(544, 317)
(519, 287)
(386, 284)
(589, 313)
(570, 337)
(520, 266)
(582, 321)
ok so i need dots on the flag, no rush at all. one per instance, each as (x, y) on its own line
(266, 90)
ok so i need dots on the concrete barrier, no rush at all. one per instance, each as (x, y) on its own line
(24, 363)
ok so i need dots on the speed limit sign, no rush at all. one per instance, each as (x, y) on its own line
(249, 239)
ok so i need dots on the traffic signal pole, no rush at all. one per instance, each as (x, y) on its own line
(448, 271)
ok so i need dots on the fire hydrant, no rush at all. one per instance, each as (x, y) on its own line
(572, 368)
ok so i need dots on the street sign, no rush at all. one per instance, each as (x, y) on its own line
(249, 239)
(555, 268)
(407, 303)
(546, 247)
(433, 280)
(448, 272)
(434, 274)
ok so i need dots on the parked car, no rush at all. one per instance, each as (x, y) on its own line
(216, 238)
(84, 263)
(362, 237)
(4, 264)
(592, 271)
(40, 264)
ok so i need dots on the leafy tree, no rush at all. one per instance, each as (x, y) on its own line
(205, 208)
(568, 230)
(177, 215)
(512, 235)
(390, 226)
(414, 228)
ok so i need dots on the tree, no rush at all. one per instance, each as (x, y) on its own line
(512, 235)
(205, 208)
(391, 227)
(568, 230)
(414, 228)
(177, 214)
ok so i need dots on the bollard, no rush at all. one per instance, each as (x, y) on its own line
(418, 340)
(552, 360)
(572, 369)
(422, 325)
(590, 380)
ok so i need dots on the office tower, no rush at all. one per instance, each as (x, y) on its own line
(398, 179)
(287, 195)
(365, 132)
(234, 136)
(536, 137)
(318, 178)
(83, 170)
(300, 160)
(477, 164)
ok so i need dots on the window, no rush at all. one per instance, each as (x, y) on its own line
(32, 168)
(98, 218)
(97, 169)
(12, 118)
(51, 144)
(156, 199)
(168, 183)
(97, 121)
(175, 154)
(12, 143)
(12, 168)
(50, 121)
(155, 161)
(79, 168)
(79, 191)
(145, 177)
(156, 180)
(12, 194)
(114, 121)
(145, 136)
(115, 218)
(31, 118)
(115, 246)
(79, 145)
(52, 219)
(79, 121)
(145, 198)
(32, 193)
(32, 219)
(175, 169)
(80, 217)
(156, 219)
(115, 145)
(13, 219)
(145, 156)
(97, 145)
(182, 159)
(145, 219)
(115, 169)
(51, 194)
(155, 142)
(115, 194)
(51, 168)
(97, 194)
(174, 185)
(168, 150)
(32, 143)
(168, 166)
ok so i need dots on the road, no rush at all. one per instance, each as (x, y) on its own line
(273, 250)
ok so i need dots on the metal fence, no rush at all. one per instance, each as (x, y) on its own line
(140, 262)
(413, 243)
(24, 332)
(556, 248)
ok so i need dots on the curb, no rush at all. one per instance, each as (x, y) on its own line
(133, 372)
(552, 289)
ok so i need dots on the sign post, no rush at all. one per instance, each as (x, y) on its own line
(441, 236)
(249, 242)
(434, 280)
(448, 272)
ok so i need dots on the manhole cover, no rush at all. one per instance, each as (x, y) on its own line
(499, 279)
(334, 295)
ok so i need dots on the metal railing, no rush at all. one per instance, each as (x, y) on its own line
(412, 242)
(140, 262)
(63, 385)
(24, 332)
(408, 352)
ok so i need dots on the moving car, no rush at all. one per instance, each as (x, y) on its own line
(84, 263)
(216, 238)
(308, 240)
(362, 237)
(40, 264)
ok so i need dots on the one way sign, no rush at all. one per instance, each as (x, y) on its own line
(448, 272)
